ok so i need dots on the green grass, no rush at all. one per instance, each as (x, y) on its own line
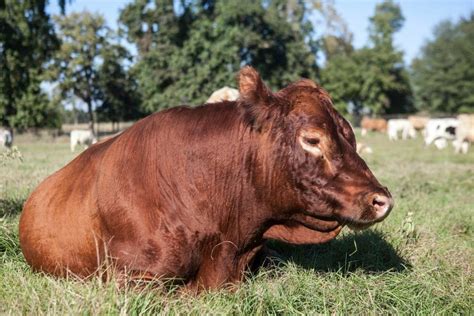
(418, 261)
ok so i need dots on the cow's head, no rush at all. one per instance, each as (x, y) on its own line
(316, 148)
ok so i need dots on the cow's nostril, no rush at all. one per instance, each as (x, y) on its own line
(381, 203)
(378, 201)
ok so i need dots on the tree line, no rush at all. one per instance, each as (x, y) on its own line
(187, 49)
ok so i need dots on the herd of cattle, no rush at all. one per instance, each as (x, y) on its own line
(436, 131)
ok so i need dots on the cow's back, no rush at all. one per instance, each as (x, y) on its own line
(112, 196)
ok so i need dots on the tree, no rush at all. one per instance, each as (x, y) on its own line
(117, 88)
(386, 21)
(337, 38)
(443, 76)
(76, 65)
(34, 109)
(386, 87)
(186, 54)
(158, 32)
(27, 42)
(342, 77)
(374, 77)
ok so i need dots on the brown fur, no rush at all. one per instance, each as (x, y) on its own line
(418, 122)
(374, 124)
(192, 193)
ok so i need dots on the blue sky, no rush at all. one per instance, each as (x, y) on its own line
(420, 17)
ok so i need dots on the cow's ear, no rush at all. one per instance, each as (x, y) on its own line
(251, 86)
(257, 100)
(344, 125)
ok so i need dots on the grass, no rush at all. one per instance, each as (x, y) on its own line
(418, 261)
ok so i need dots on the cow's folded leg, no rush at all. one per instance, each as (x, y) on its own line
(223, 267)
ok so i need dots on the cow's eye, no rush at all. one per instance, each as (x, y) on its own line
(311, 141)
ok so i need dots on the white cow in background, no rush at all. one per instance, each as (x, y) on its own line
(403, 126)
(6, 138)
(464, 133)
(440, 143)
(224, 94)
(82, 137)
(438, 131)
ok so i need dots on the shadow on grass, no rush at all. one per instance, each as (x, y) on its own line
(367, 251)
(11, 207)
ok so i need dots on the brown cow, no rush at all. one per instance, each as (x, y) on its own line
(418, 122)
(464, 133)
(192, 193)
(373, 124)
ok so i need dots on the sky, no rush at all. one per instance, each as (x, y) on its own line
(421, 16)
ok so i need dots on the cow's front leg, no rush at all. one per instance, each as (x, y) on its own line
(224, 265)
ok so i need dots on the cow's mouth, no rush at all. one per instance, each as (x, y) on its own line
(329, 224)
(360, 224)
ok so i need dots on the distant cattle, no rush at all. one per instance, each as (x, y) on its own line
(223, 94)
(440, 143)
(193, 193)
(400, 126)
(82, 137)
(464, 133)
(6, 138)
(438, 129)
(418, 122)
(373, 124)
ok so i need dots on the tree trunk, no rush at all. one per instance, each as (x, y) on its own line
(75, 112)
(91, 117)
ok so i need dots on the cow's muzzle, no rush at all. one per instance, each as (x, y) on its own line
(382, 204)
(374, 206)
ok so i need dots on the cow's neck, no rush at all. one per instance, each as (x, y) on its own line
(261, 193)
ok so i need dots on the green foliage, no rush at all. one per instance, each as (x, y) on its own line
(386, 21)
(34, 109)
(443, 76)
(186, 55)
(342, 77)
(386, 87)
(117, 89)
(27, 42)
(374, 77)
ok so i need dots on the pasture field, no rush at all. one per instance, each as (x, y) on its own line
(418, 261)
